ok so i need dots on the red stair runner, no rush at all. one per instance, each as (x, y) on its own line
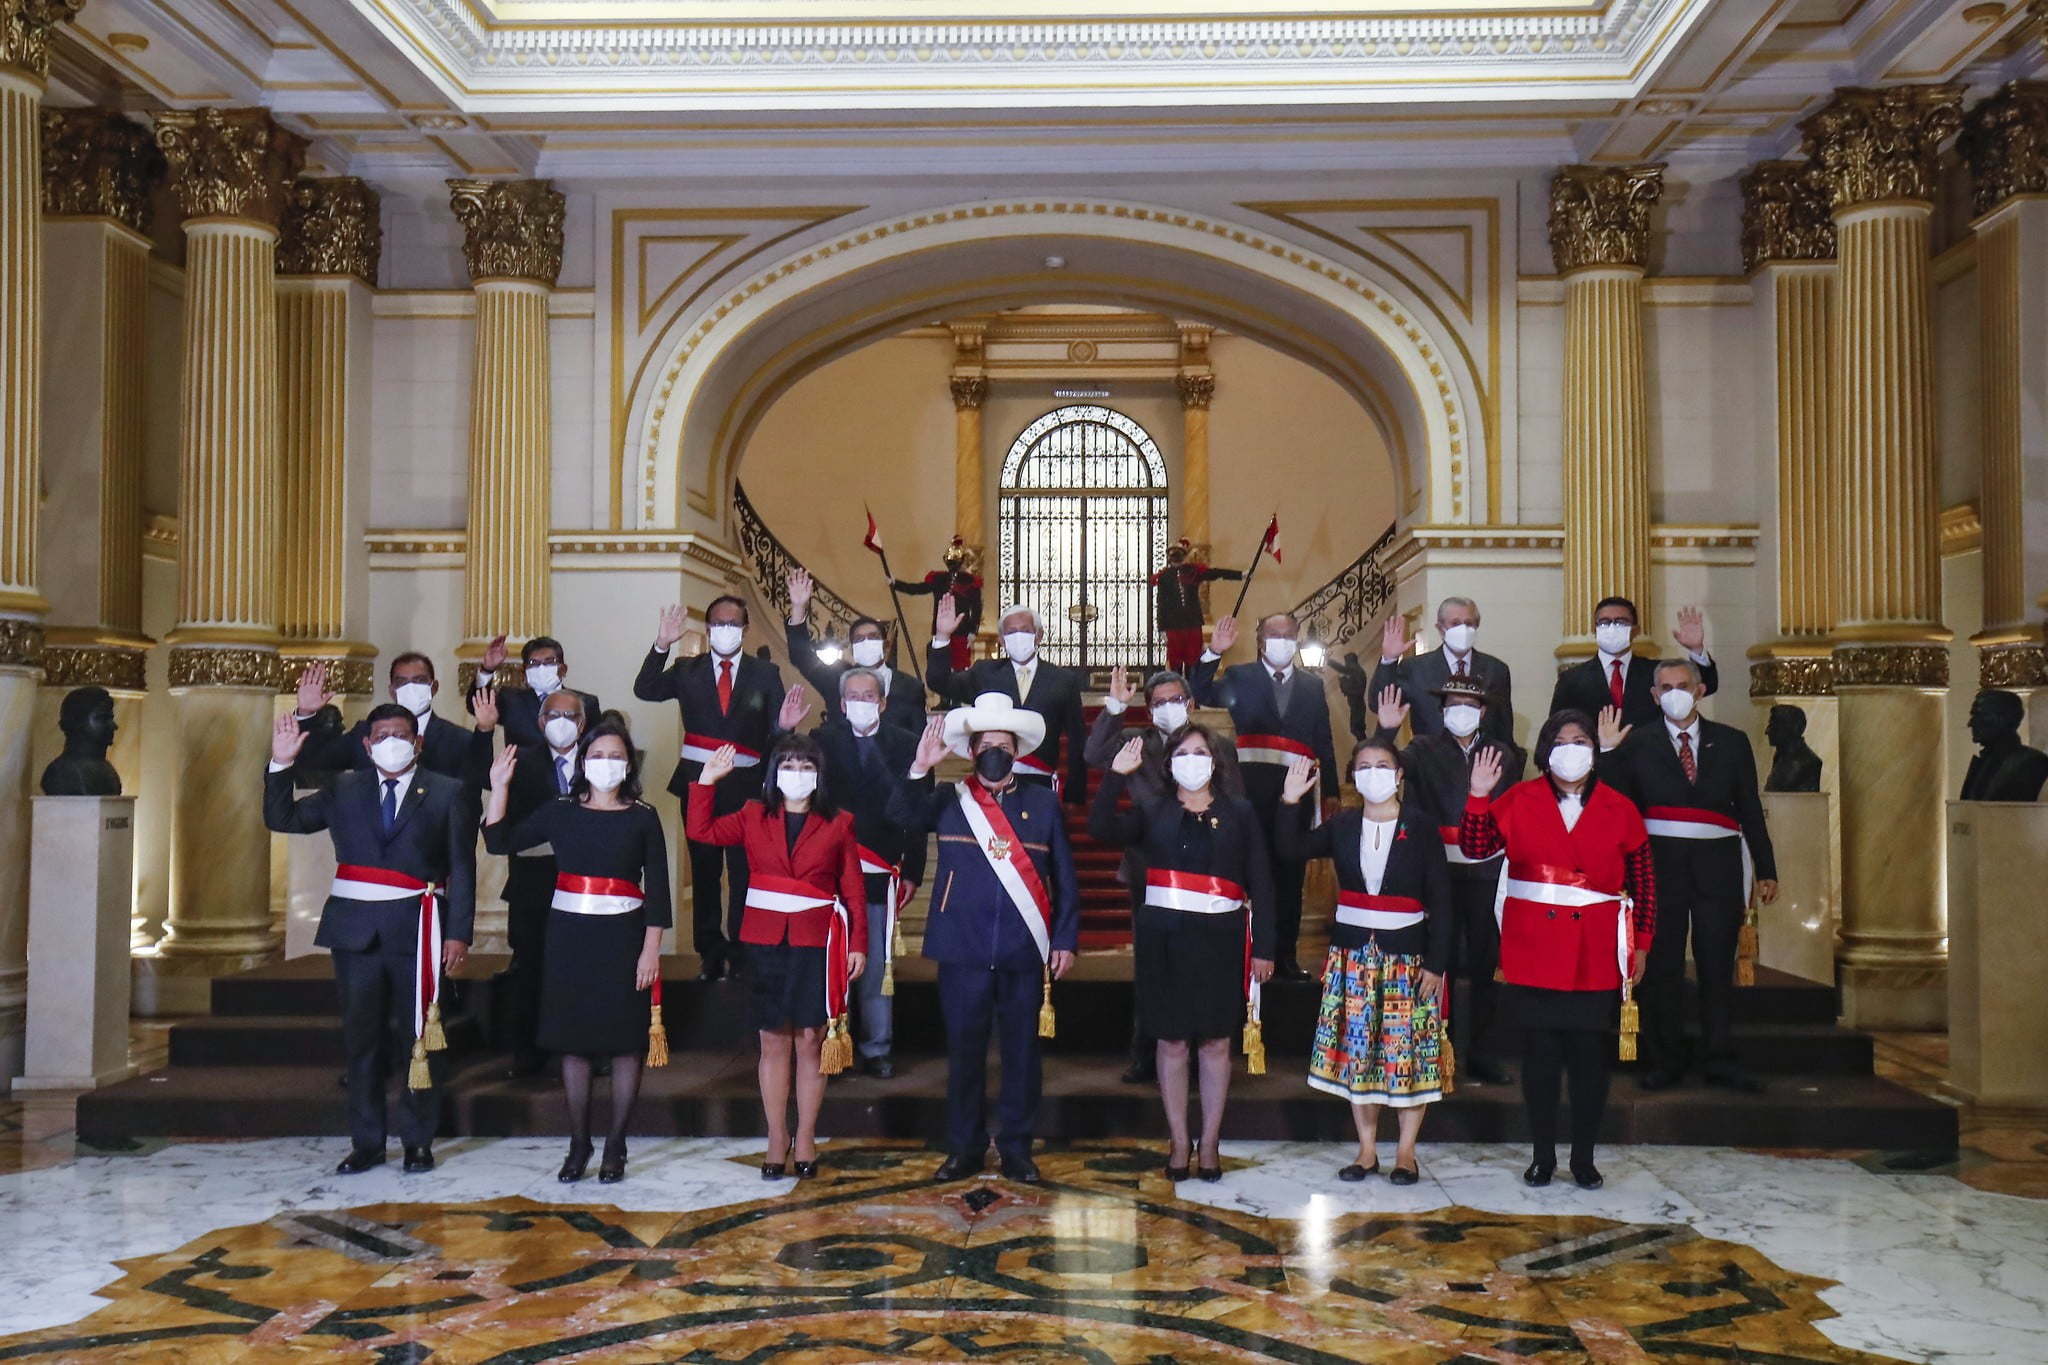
(1105, 904)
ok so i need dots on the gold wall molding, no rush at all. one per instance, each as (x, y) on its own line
(1785, 214)
(417, 305)
(1891, 666)
(970, 391)
(114, 667)
(512, 229)
(226, 666)
(332, 226)
(229, 163)
(1962, 530)
(99, 163)
(1870, 146)
(1600, 215)
(2004, 141)
(1196, 391)
(348, 675)
(2015, 667)
(1792, 677)
(21, 642)
(27, 28)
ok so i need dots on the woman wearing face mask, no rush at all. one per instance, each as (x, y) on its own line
(806, 919)
(603, 944)
(1205, 926)
(1379, 1036)
(1578, 911)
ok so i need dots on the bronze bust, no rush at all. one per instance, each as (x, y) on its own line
(2004, 767)
(87, 720)
(1796, 767)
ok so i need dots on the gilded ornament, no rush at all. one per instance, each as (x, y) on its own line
(108, 666)
(347, 675)
(331, 226)
(1891, 666)
(2012, 667)
(2005, 143)
(99, 164)
(26, 27)
(1810, 677)
(970, 391)
(1196, 390)
(21, 642)
(1600, 215)
(509, 675)
(1872, 145)
(226, 666)
(512, 228)
(229, 163)
(1785, 214)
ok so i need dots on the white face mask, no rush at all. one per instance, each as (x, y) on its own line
(561, 731)
(1169, 716)
(393, 755)
(1192, 771)
(796, 784)
(867, 653)
(604, 774)
(1460, 637)
(863, 715)
(1570, 762)
(417, 698)
(1278, 651)
(1613, 636)
(725, 639)
(1377, 784)
(1461, 721)
(542, 679)
(1020, 645)
(1678, 704)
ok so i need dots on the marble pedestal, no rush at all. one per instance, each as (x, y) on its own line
(1998, 953)
(1796, 932)
(81, 892)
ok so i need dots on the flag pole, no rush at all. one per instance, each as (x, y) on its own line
(902, 623)
(1257, 555)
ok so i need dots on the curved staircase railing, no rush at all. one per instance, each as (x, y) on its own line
(771, 560)
(1351, 602)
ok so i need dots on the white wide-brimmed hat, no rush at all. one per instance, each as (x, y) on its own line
(994, 711)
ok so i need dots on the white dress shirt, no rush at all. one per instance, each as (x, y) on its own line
(1451, 662)
(1571, 806)
(1691, 730)
(1375, 843)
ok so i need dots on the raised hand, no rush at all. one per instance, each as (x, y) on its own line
(718, 766)
(286, 739)
(1612, 731)
(502, 767)
(483, 704)
(1691, 633)
(671, 628)
(947, 620)
(1486, 771)
(1394, 641)
(1391, 707)
(795, 706)
(1129, 758)
(1224, 635)
(799, 581)
(1121, 689)
(313, 693)
(1301, 780)
(494, 659)
(931, 746)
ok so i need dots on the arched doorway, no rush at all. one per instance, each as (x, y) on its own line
(1083, 521)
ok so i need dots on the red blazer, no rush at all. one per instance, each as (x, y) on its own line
(826, 857)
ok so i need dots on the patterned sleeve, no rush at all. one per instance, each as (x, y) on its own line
(1640, 874)
(1479, 834)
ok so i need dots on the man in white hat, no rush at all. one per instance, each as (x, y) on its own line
(1004, 920)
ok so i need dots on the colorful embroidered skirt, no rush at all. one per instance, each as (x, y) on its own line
(1376, 1042)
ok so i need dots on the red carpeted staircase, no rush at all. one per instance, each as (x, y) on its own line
(1105, 904)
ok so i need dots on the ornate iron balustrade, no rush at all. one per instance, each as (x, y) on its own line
(1351, 602)
(771, 560)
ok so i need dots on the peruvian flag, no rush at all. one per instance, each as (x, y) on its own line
(1271, 544)
(873, 539)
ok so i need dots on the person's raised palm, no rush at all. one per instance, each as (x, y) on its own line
(494, 658)
(1129, 758)
(800, 588)
(1120, 687)
(947, 620)
(1300, 780)
(671, 629)
(502, 766)
(1486, 771)
(1391, 708)
(1691, 632)
(313, 693)
(795, 706)
(1394, 640)
(719, 765)
(1224, 636)
(1612, 731)
(286, 739)
(931, 745)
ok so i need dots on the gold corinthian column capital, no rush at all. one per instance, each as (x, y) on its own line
(331, 226)
(99, 163)
(512, 229)
(229, 163)
(26, 28)
(1600, 215)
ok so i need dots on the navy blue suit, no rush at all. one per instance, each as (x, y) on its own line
(373, 942)
(989, 968)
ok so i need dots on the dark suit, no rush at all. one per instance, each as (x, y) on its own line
(2005, 772)
(1418, 675)
(519, 715)
(989, 967)
(445, 748)
(373, 942)
(1584, 687)
(529, 889)
(749, 721)
(1055, 694)
(1256, 708)
(902, 702)
(1698, 880)
(860, 775)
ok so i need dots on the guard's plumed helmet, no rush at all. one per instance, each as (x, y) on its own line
(956, 553)
(1178, 552)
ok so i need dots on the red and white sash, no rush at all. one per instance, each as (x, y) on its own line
(1011, 863)
(1364, 910)
(1192, 891)
(1566, 888)
(788, 896)
(1691, 822)
(1272, 749)
(1034, 766)
(357, 883)
(1453, 853)
(700, 748)
(596, 895)
(873, 864)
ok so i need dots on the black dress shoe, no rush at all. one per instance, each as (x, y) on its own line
(1539, 1173)
(525, 1064)
(1141, 1073)
(1587, 1177)
(956, 1167)
(1484, 1072)
(419, 1160)
(881, 1068)
(576, 1163)
(1021, 1169)
(710, 971)
(1662, 1078)
(1291, 971)
(359, 1160)
(1739, 1082)
(1354, 1173)
(1401, 1175)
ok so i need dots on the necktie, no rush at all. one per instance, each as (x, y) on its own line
(724, 686)
(1614, 687)
(562, 774)
(1024, 672)
(1685, 758)
(390, 803)
(1461, 669)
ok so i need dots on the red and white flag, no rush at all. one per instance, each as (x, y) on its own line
(873, 539)
(1271, 544)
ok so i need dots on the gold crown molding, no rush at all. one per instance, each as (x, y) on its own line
(970, 391)
(229, 163)
(1196, 390)
(1600, 215)
(512, 229)
(1785, 214)
(117, 668)
(332, 226)
(99, 163)
(26, 30)
(2015, 667)
(21, 642)
(1890, 666)
(1962, 528)
(348, 674)
(1792, 676)
(2005, 143)
(610, 544)
(226, 666)
(508, 677)
(1870, 145)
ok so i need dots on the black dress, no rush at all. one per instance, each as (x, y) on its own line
(785, 982)
(588, 1005)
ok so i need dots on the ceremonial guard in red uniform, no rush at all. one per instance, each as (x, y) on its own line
(957, 581)
(1177, 601)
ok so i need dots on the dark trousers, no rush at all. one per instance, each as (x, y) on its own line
(1692, 899)
(529, 889)
(976, 1000)
(1287, 881)
(1553, 1054)
(1475, 952)
(715, 929)
(376, 1022)
(874, 1012)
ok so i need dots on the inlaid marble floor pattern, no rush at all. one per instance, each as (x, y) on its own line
(251, 1251)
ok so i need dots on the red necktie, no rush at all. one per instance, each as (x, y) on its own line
(1614, 688)
(1685, 758)
(724, 686)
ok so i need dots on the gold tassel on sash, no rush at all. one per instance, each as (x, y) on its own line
(419, 1076)
(1045, 1015)
(836, 1053)
(435, 1039)
(1631, 1022)
(657, 1037)
(1745, 951)
(1254, 1043)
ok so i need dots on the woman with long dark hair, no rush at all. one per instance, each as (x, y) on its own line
(806, 909)
(1380, 1031)
(1578, 912)
(1205, 931)
(603, 940)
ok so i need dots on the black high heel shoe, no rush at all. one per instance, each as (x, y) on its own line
(577, 1162)
(805, 1170)
(776, 1170)
(1174, 1173)
(1210, 1175)
(612, 1169)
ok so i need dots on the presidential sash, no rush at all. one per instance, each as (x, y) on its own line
(1011, 863)
(700, 748)
(355, 882)
(873, 864)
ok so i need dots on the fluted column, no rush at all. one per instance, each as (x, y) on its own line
(1197, 390)
(513, 245)
(2005, 140)
(970, 391)
(1876, 152)
(231, 169)
(1599, 241)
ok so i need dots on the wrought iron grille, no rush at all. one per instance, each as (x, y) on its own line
(1353, 600)
(771, 562)
(1083, 513)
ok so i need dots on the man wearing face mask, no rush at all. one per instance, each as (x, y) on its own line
(544, 668)
(867, 642)
(1051, 691)
(1615, 677)
(1695, 782)
(1281, 713)
(445, 747)
(398, 916)
(1005, 920)
(1419, 676)
(727, 697)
